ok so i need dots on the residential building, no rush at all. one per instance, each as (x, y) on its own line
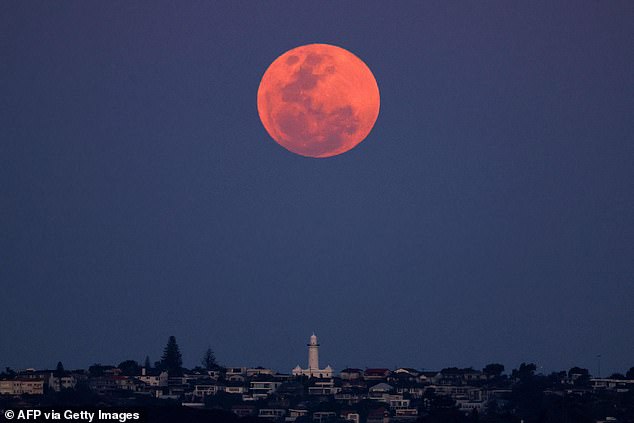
(21, 387)
(272, 414)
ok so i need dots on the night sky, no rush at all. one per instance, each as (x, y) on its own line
(488, 217)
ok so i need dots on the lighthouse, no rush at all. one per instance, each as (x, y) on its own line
(313, 369)
(313, 353)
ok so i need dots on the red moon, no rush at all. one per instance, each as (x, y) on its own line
(318, 100)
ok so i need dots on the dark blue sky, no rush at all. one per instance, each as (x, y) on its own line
(489, 216)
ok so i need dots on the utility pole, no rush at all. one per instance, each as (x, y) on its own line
(599, 365)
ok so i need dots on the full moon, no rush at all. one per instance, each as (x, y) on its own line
(318, 100)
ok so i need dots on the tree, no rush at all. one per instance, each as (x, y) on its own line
(147, 364)
(630, 373)
(577, 371)
(209, 360)
(579, 376)
(97, 370)
(525, 372)
(493, 370)
(59, 370)
(172, 360)
(129, 368)
(557, 378)
(8, 373)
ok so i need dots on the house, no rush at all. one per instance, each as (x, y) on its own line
(379, 415)
(235, 371)
(351, 374)
(350, 395)
(256, 371)
(467, 405)
(66, 381)
(449, 376)
(193, 404)
(154, 378)
(414, 390)
(471, 375)
(126, 383)
(178, 386)
(282, 377)
(272, 414)
(262, 388)
(322, 387)
(376, 374)
(294, 413)
(456, 376)
(399, 403)
(33, 374)
(21, 386)
(427, 377)
(291, 389)
(355, 383)
(204, 390)
(350, 416)
(103, 384)
(233, 387)
(214, 374)
(619, 385)
(407, 371)
(29, 387)
(406, 414)
(6, 387)
(453, 391)
(380, 391)
(236, 374)
(243, 410)
(324, 416)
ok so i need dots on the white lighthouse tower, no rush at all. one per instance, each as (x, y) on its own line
(313, 369)
(313, 353)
